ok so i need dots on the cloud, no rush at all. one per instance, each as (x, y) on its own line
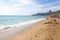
(46, 1)
(25, 1)
(27, 7)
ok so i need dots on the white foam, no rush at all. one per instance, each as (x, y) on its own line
(29, 22)
(20, 24)
(14, 29)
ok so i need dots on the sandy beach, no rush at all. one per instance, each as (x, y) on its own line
(39, 31)
(47, 29)
(13, 30)
(29, 19)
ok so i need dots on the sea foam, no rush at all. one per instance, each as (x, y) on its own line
(32, 22)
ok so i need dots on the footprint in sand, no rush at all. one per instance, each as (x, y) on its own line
(41, 35)
(37, 36)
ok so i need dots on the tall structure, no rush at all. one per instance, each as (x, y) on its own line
(50, 12)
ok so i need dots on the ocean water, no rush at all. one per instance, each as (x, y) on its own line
(12, 20)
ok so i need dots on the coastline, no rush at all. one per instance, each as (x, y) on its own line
(20, 24)
(40, 31)
(16, 29)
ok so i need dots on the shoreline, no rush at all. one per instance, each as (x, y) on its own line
(40, 31)
(4, 34)
(20, 24)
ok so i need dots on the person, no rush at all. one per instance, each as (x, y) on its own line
(51, 19)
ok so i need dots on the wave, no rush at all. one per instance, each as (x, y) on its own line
(28, 23)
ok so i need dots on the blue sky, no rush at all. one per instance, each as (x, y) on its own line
(27, 7)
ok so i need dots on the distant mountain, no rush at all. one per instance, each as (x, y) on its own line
(43, 14)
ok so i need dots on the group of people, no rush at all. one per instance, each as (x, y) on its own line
(52, 19)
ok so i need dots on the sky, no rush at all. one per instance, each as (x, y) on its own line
(27, 7)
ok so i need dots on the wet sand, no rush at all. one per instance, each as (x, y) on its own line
(39, 31)
(5, 33)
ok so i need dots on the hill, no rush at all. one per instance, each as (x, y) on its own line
(43, 14)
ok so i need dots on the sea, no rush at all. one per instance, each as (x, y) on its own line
(16, 19)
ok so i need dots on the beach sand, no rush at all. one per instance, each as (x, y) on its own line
(39, 31)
